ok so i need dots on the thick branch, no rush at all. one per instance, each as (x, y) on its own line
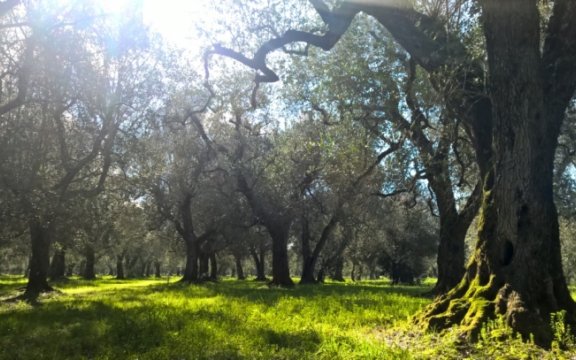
(337, 21)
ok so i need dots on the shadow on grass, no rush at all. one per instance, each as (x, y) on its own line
(211, 320)
(73, 328)
(259, 293)
(306, 340)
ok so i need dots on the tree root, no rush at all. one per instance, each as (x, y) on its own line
(472, 304)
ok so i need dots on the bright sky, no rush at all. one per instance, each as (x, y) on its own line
(174, 19)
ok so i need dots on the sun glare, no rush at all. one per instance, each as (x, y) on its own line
(173, 19)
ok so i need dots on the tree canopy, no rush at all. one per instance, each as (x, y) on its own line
(306, 139)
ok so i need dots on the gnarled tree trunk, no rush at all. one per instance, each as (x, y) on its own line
(516, 270)
(453, 228)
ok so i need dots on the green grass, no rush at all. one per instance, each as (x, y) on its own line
(154, 319)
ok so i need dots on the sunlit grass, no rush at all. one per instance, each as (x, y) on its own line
(161, 319)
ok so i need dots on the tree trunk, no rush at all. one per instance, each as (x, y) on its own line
(204, 265)
(278, 222)
(191, 268)
(308, 260)
(89, 273)
(120, 267)
(516, 269)
(27, 267)
(321, 276)
(157, 273)
(58, 265)
(338, 270)
(259, 263)
(280, 266)
(213, 267)
(239, 269)
(453, 229)
(39, 260)
(186, 230)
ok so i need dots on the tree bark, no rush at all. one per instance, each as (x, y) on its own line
(157, 273)
(186, 230)
(204, 266)
(338, 270)
(308, 261)
(213, 267)
(516, 270)
(40, 240)
(259, 263)
(453, 228)
(58, 265)
(89, 273)
(309, 257)
(239, 269)
(191, 268)
(120, 267)
(278, 222)
(280, 231)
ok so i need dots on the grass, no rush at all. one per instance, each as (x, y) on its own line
(154, 319)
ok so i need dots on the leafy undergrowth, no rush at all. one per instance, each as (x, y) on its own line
(155, 319)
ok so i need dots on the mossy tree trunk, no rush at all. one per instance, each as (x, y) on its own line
(516, 270)
(453, 228)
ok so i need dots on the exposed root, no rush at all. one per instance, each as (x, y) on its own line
(471, 305)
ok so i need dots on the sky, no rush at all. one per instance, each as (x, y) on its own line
(173, 19)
